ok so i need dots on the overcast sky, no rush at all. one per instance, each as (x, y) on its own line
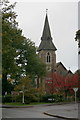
(63, 21)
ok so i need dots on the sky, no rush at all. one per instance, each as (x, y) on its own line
(63, 21)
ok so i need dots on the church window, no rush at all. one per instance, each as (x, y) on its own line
(48, 58)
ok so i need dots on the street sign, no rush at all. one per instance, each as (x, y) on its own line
(75, 89)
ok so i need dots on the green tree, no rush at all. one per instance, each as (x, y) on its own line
(29, 62)
(19, 56)
(26, 88)
(78, 93)
(11, 40)
(77, 35)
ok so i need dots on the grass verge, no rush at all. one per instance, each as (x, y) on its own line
(21, 104)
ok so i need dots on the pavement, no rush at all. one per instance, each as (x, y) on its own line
(66, 111)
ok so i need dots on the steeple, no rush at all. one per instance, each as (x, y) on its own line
(46, 31)
(46, 39)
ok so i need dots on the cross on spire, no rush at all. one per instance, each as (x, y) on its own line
(46, 10)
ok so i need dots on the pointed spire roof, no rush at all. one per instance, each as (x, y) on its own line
(46, 39)
(46, 31)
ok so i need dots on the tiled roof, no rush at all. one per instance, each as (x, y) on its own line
(60, 63)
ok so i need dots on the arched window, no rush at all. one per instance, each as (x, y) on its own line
(48, 58)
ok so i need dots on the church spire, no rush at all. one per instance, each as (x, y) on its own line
(46, 39)
(46, 31)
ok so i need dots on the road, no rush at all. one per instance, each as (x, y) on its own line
(31, 112)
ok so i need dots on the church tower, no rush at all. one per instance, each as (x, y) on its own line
(47, 48)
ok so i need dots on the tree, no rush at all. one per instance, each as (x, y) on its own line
(19, 56)
(55, 82)
(29, 61)
(58, 84)
(11, 39)
(26, 88)
(77, 38)
(78, 74)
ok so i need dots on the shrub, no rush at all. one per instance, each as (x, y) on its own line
(18, 98)
(27, 100)
(30, 98)
(6, 98)
(52, 98)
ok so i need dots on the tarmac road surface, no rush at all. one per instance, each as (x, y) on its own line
(32, 112)
(37, 111)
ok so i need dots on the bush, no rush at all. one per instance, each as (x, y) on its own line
(27, 99)
(52, 98)
(30, 98)
(46, 97)
(6, 98)
(59, 98)
(17, 98)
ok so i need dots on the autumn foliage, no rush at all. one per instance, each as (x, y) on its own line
(57, 83)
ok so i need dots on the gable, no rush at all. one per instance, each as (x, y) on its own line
(61, 69)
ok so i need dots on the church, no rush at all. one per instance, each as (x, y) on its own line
(47, 53)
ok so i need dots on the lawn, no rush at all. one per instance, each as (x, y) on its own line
(21, 104)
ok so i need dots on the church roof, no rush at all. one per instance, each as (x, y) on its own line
(60, 63)
(68, 72)
(46, 39)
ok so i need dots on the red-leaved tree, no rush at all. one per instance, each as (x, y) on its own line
(56, 83)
